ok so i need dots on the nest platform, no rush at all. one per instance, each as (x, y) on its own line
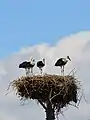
(61, 90)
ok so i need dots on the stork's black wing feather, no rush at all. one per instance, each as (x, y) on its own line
(29, 65)
(40, 64)
(23, 64)
(58, 62)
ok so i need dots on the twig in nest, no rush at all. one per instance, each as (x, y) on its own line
(61, 112)
(73, 105)
(42, 104)
(82, 95)
(71, 71)
(84, 98)
(9, 88)
(50, 93)
(26, 90)
(55, 96)
(79, 99)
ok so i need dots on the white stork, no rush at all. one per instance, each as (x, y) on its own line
(41, 64)
(28, 65)
(61, 63)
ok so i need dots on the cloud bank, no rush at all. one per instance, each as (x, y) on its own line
(77, 46)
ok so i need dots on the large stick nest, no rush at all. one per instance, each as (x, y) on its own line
(61, 90)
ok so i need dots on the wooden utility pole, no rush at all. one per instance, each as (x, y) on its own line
(50, 115)
(50, 112)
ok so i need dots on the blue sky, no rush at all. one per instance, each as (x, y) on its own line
(29, 22)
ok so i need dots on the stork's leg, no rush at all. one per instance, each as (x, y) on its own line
(26, 69)
(31, 70)
(41, 71)
(63, 70)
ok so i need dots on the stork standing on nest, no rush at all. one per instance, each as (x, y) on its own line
(40, 65)
(61, 63)
(28, 66)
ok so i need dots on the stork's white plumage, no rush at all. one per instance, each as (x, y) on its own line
(32, 64)
(61, 63)
(41, 64)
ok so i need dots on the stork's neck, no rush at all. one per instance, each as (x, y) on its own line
(65, 59)
(44, 61)
(32, 61)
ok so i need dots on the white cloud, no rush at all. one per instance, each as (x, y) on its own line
(75, 45)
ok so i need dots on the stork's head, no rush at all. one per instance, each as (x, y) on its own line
(32, 60)
(68, 58)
